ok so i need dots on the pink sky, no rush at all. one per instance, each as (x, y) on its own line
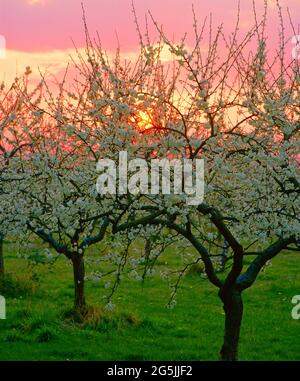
(39, 32)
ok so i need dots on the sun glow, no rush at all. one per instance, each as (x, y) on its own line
(144, 119)
(35, 2)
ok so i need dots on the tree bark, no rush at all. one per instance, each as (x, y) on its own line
(79, 273)
(147, 251)
(233, 308)
(1, 254)
(224, 256)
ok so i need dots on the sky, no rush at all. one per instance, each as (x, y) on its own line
(42, 33)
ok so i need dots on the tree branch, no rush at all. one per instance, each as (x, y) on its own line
(246, 279)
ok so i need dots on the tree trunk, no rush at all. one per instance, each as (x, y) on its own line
(224, 256)
(78, 271)
(233, 308)
(147, 251)
(1, 254)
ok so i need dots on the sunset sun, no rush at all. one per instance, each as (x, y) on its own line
(144, 119)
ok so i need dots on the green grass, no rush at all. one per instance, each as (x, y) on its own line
(38, 326)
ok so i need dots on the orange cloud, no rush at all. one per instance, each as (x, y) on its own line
(16, 62)
(54, 62)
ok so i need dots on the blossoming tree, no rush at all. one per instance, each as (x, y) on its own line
(18, 133)
(240, 113)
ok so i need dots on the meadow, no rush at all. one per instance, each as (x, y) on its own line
(39, 325)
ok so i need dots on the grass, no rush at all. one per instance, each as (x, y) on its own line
(39, 325)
